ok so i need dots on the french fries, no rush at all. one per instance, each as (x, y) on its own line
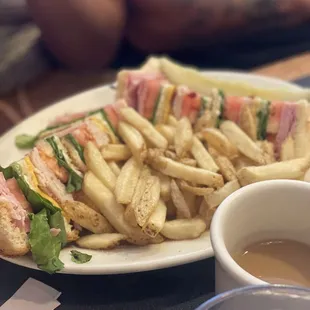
(145, 127)
(183, 138)
(115, 168)
(183, 211)
(247, 122)
(199, 191)
(242, 141)
(113, 211)
(167, 131)
(216, 139)
(127, 181)
(100, 241)
(226, 167)
(203, 158)
(172, 121)
(187, 173)
(148, 201)
(290, 169)
(156, 221)
(165, 188)
(133, 139)
(98, 165)
(86, 217)
(115, 152)
(216, 198)
(183, 229)
(130, 216)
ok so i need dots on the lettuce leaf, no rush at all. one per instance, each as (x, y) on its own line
(45, 248)
(79, 148)
(263, 117)
(7, 172)
(75, 182)
(79, 257)
(36, 200)
(24, 141)
(56, 220)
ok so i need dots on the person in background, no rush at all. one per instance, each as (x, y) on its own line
(93, 34)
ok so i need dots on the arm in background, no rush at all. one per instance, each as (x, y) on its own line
(82, 34)
(166, 26)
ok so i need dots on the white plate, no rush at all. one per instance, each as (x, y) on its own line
(128, 258)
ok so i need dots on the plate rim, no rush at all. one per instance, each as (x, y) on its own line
(161, 263)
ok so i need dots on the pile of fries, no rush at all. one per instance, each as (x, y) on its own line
(165, 182)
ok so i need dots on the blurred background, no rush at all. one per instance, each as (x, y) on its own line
(54, 48)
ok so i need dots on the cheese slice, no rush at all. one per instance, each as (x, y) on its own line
(104, 126)
(35, 184)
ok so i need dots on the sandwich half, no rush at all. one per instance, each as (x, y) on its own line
(14, 221)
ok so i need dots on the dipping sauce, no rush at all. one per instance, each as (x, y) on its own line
(277, 261)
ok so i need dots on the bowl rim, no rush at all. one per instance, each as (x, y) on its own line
(271, 290)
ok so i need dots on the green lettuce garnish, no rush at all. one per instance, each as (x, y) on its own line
(25, 141)
(36, 200)
(79, 257)
(45, 248)
(263, 116)
(79, 148)
(75, 181)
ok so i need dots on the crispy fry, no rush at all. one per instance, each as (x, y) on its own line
(183, 210)
(86, 217)
(215, 199)
(171, 210)
(167, 131)
(127, 181)
(199, 191)
(247, 122)
(187, 173)
(242, 141)
(188, 161)
(203, 158)
(98, 166)
(241, 162)
(80, 196)
(205, 121)
(114, 167)
(227, 169)
(165, 189)
(148, 200)
(190, 200)
(172, 121)
(156, 221)
(115, 152)
(139, 190)
(268, 151)
(133, 139)
(217, 140)
(100, 241)
(206, 213)
(130, 216)
(170, 154)
(287, 149)
(290, 169)
(145, 127)
(183, 229)
(183, 137)
(113, 211)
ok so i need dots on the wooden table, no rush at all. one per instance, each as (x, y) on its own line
(60, 84)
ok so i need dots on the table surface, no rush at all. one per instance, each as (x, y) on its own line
(183, 287)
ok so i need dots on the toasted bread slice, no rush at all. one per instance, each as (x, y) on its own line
(13, 240)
